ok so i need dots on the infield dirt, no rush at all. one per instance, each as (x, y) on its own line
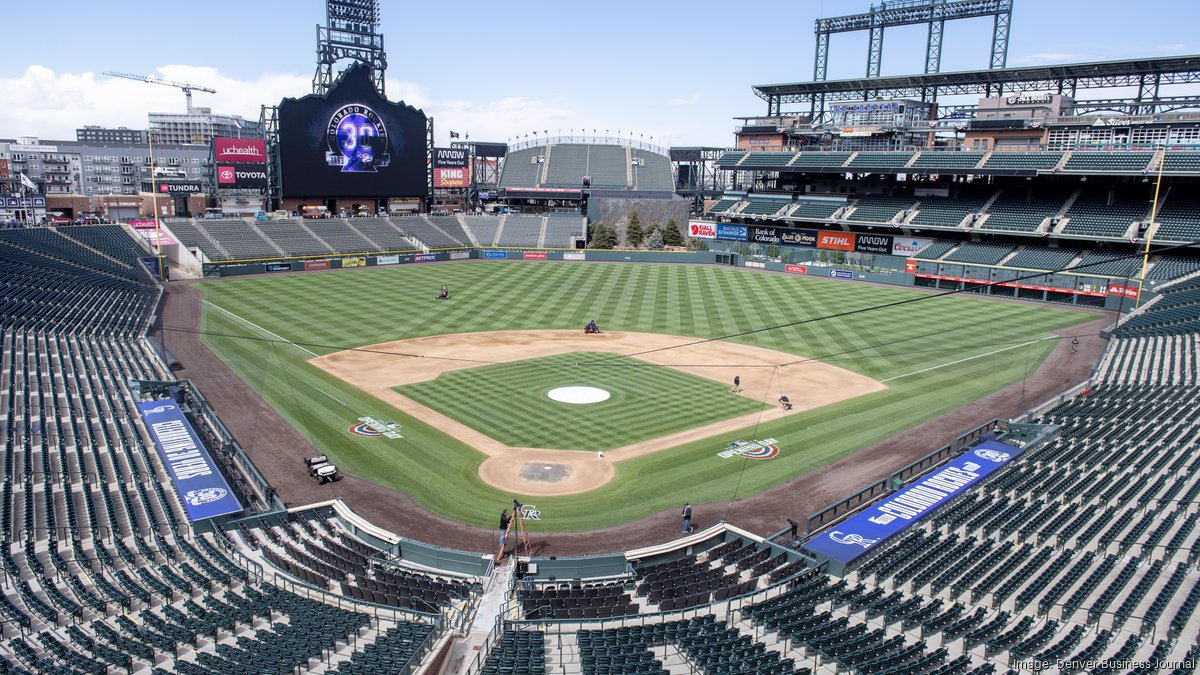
(765, 374)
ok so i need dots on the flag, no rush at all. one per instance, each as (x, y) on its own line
(453, 134)
(237, 122)
(26, 182)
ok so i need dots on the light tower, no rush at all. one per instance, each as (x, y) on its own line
(351, 32)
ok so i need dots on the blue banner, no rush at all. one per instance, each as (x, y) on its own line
(854, 537)
(495, 254)
(197, 479)
(841, 274)
(732, 232)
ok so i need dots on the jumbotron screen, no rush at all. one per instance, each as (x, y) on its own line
(351, 143)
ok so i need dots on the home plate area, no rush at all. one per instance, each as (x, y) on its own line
(539, 472)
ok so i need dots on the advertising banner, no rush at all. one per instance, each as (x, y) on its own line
(354, 262)
(425, 257)
(698, 229)
(387, 260)
(316, 264)
(1122, 290)
(575, 255)
(495, 254)
(180, 188)
(873, 243)
(732, 232)
(796, 269)
(351, 142)
(854, 537)
(906, 246)
(802, 238)
(836, 241)
(239, 151)
(841, 274)
(910, 266)
(764, 235)
(451, 168)
(460, 255)
(200, 485)
(242, 176)
(535, 255)
(279, 267)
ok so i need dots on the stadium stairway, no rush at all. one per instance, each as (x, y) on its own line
(462, 222)
(254, 226)
(542, 233)
(499, 231)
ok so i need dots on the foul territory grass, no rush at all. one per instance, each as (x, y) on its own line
(509, 401)
(935, 355)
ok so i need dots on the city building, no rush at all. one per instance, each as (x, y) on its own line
(98, 134)
(199, 127)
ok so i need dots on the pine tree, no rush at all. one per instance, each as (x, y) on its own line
(601, 236)
(633, 233)
(671, 235)
(655, 241)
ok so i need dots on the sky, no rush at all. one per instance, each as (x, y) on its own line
(672, 71)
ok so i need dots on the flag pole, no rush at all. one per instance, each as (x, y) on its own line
(1150, 230)
(154, 201)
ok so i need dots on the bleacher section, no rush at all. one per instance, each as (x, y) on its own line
(111, 240)
(879, 209)
(1010, 159)
(126, 590)
(340, 236)
(980, 253)
(1092, 215)
(562, 228)
(821, 159)
(1171, 267)
(947, 211)
(520, 230)
(292, 237)
(611, 167)
(193, 237)
(947, 160)
(936, 249)
(1110, 264)
(815, 209)
(883, 160)
(765, 205)
(423, 231)
(521, 168)
(1179, 217)
(1125, 162)
(766, 160)
(654, 173)
(1181, 162)
(1173, 320)
(725, 203)
(484, 228)
(1015, 210)
(383, 233)
(1041, 258)
(452, 227)
(730, 158)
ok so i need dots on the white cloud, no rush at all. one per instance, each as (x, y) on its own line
(690, 100)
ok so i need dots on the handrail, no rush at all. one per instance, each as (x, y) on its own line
(587, 139)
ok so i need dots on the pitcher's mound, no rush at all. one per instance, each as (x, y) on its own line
(578, 395)
(539, 472)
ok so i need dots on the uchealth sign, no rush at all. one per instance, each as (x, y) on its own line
(239, 151)
(701, 230)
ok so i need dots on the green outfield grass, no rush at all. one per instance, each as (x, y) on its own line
(934, 355)
(508, 401)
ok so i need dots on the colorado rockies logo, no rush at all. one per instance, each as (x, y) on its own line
(204, 495)
(358, 140)
(370, 427)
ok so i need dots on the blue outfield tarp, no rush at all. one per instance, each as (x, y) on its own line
(197, 479)
(856, 536)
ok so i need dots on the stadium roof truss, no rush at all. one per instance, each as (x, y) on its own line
(1147, 75)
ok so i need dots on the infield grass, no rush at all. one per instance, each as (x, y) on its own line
(988, 345)
(509, 401)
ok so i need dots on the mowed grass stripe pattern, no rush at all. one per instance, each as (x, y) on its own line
(356, 308)
(509, 402)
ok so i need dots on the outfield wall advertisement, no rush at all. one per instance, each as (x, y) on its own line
(451, 168)
(201, 486)
(856, 536)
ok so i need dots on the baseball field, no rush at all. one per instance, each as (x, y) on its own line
(452, 401)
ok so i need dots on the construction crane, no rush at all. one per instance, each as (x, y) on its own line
(187, 88)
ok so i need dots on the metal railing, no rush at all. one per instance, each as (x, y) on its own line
(587, 139)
